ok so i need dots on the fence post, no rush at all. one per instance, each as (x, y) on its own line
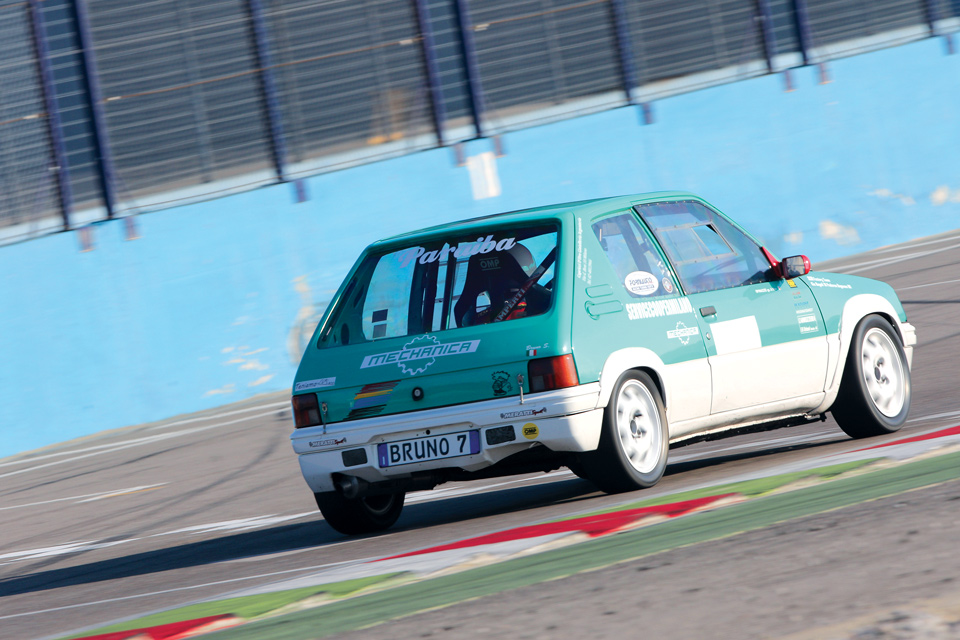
(769, 37)
(438, 109)
(472, 66)
(53, 111)
(261, 46)
(624, 47)
(803, 29)
(932, 10)
(95, 103)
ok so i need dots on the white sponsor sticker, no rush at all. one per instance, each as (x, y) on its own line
(460, 251)
(683, 333)
(642, 283)
(733, 336)
(319, 383)
(330, 442)
(418, 354)
(814, 281)
(508, 415)
(658, 308)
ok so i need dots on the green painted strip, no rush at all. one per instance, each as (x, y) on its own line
(247, 607)
(379, 607)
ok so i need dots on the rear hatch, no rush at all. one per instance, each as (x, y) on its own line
(439, 320)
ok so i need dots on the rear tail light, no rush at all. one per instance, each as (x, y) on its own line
(306, 410)
(547, 374)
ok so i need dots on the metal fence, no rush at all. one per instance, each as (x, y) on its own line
(113, 107)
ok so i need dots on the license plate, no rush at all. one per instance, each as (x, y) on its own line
(450, 445)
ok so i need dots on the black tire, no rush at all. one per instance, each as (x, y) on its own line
(634, 442)
(360, 515)
(874, 396)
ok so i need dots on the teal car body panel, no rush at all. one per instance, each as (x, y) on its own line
(661, 283)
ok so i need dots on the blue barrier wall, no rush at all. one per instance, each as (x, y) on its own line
(213, 301)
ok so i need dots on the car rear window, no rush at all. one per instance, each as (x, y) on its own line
(449, 282)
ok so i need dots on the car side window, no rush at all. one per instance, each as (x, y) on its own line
(706, 250)
(633, 256)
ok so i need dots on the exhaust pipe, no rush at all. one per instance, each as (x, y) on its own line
(351, 487)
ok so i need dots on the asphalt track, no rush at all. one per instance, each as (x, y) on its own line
(199, 507)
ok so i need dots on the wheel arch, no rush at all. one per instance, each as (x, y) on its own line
(631, 359)
(854, 311)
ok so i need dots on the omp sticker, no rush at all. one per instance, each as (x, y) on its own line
(330, 442)
(658, 308)
(814, 281)
(683, 333)
(419, 353)
(319, 383)
(530, 431)
(507, 415)
(460, 251)
(733, 336)
(641, 283)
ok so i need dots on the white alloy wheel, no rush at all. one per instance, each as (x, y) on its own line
(882, 369)
(638, 426)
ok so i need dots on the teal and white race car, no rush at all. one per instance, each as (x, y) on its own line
(591, 334)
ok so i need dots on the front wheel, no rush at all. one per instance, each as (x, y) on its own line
(360, 515)
(874, 393)
(634, 442)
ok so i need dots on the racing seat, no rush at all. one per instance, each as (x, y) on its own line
(500, 275)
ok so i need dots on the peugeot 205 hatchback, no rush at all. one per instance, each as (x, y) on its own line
(592, 335)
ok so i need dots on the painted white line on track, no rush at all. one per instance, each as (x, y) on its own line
(60, 550)
(932, 284)
(935, 416)
(242, 524)
(195, 586)
(884, 262)
(135, 443)
(70, 452)
(90, 497)
(761, 444)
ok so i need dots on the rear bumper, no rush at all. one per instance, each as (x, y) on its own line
(565, 420)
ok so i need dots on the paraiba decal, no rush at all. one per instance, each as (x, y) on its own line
(658, 308)
(460, 251)
(814, 281)
(418, 354)
(501, 383)
(507, 415)
(641, 283)
(683, 333)
(530, 431)
(319, 383)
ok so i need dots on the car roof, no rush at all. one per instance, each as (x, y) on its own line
(580, 208)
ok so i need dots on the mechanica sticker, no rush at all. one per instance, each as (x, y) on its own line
(501, 383)
(683, 333)
(418, 354)
(641, 283)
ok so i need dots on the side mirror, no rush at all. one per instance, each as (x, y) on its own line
(794, 266)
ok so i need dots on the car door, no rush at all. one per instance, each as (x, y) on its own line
(764, 336)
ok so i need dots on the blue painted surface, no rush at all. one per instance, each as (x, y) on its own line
(210, 304)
